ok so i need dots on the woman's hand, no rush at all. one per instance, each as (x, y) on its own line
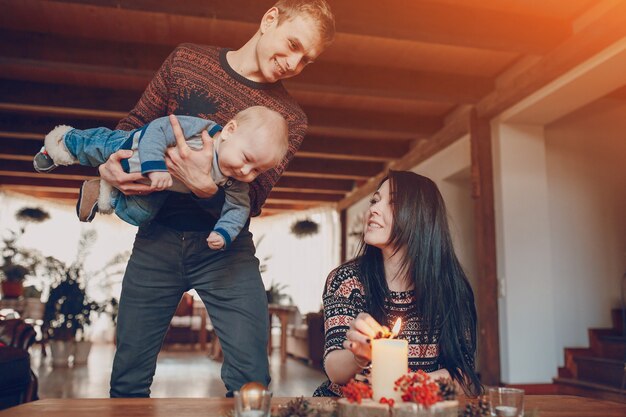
(363, 329)
(111, 171)
(191, 167)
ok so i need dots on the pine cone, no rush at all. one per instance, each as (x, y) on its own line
(483, 405)
(447, 389)
(298, 407)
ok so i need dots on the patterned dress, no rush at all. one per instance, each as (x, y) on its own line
(344, 299)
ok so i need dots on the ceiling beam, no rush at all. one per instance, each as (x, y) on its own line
(352, 148)
(172, 22)
(328, 185)
(66, 100)
(385, 82)
(308, 197)
(353, 80)
(376, 121)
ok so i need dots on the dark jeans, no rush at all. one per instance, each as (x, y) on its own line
(163, 265)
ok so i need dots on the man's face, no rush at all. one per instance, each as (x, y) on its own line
(243, 155)
(285, 49)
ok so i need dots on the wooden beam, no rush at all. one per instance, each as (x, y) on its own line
(352, 148)
(308, 197)
(26, 168)
(304, 204)
(485, 247)
(377, 121)
(385, 82)
(415, 21)
(120, 24)
(328, 185)
(65, 100)
(453, 25)
(330, 168)
(40, 181)
(44, 192)
(72, 60)
(12, 122)
(75, 74)
(110, 102)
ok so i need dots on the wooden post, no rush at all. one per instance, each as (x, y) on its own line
(485, 243)
(344, 233)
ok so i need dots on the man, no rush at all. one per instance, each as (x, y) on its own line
(170, 255)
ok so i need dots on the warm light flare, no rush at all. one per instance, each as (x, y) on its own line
(396, 327)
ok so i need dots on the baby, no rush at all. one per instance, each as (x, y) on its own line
(254, 141)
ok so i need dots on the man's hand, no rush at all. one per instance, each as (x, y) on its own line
(192, 167)
(111, 171)
(160, 180)
(215, 241)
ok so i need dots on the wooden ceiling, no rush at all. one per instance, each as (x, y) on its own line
(395, 86)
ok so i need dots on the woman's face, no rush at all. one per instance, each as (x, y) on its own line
(379, 218)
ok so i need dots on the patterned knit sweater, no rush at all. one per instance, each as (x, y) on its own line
(344, 299)
(196, 80)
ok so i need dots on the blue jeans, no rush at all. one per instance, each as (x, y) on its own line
(165, 263)
(92, 147)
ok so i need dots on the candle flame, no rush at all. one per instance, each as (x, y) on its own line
(396, 327)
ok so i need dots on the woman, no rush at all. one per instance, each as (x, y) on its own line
(407, 268)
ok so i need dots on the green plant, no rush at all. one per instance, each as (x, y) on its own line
(68, 309)
(18, 262)
(275, 294)
(303, 228)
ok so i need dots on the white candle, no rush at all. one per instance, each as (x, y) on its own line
(252, 413)
(390, 360)
(506, 411)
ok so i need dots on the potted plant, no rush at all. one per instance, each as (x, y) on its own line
(68, 310)
(276, 295)
(18, 262)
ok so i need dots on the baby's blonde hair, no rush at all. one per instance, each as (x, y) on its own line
(264, 122)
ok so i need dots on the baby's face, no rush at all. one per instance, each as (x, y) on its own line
(243, 157)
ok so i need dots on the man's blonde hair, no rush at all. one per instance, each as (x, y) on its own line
(318, 10)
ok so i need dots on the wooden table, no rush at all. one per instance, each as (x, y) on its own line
(283, 313)
(548, 406)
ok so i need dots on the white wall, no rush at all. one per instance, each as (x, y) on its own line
(300, 263)
(586, 159)
(526, 315)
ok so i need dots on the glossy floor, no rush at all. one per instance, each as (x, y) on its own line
(180, 373)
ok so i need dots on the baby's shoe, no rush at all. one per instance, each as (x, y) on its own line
(42, 162)
(87, 205)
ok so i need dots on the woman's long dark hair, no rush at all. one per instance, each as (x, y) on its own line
(444, 297)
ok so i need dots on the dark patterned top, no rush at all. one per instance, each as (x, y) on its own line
(196, 80)
(344, 299)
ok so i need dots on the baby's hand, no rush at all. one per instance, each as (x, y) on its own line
(215, 240)
(160, 180)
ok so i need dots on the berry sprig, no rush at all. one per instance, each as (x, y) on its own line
(418, 388)
(355, 391)
(389, 401)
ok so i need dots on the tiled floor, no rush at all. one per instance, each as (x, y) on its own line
(180, 373)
